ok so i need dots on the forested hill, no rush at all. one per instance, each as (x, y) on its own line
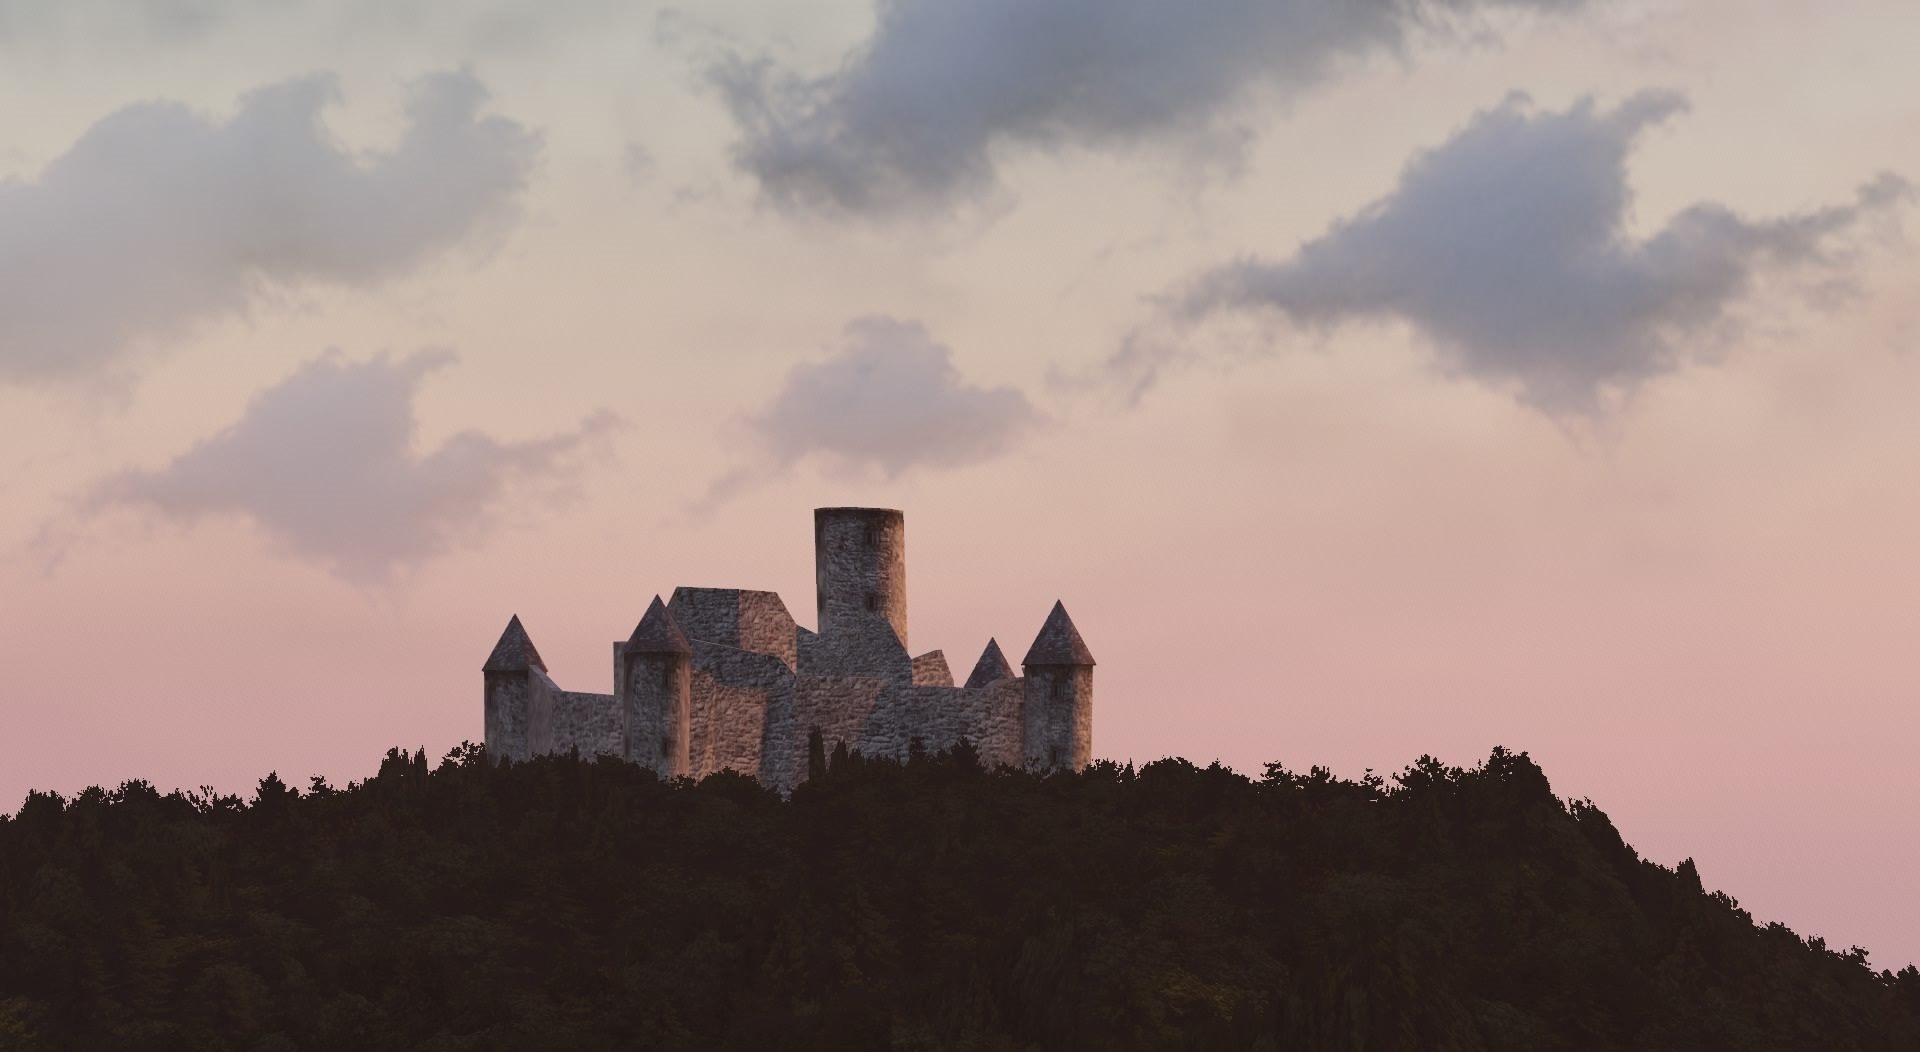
(565, 904)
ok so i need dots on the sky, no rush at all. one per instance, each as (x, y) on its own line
(1369, 380)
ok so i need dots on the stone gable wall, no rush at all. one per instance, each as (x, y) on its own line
(930, 670)
(767, 627)
(738, 618)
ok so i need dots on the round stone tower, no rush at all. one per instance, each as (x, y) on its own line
(860, 568)
(508, 675)
(1059, 697)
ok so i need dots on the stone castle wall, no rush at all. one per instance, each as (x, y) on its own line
(728, 681)
(733, 692)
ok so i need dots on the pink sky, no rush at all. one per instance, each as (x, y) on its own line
(1443, 449)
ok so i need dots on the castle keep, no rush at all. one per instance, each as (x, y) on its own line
(724, 678)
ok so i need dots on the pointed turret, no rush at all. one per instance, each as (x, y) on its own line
(510, 693)
(514, 652)
(657, 633)
(655, 693)
(991, 668)
(1059, 643)
(1059, 697)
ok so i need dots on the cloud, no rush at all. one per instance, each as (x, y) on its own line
(325, 464)
(1507, 247)
(490, 27)
(914, 117)
(159, 218)
(889, 401)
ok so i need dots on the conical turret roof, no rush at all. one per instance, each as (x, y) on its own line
(657, 633)
(992, 666)
(1059, 643)
(515, 651)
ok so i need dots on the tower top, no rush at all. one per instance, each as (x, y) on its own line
(657, 633)
(515, 651)
(858, 513)
(1058, 643)
(991, 668)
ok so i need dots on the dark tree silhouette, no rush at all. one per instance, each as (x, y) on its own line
(929, 905)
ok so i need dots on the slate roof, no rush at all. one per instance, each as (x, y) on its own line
(991, 668)
(657, 633)
(1058, 643)
(515, 651)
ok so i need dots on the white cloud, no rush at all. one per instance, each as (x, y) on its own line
(891, 400)
(324, 463)
(160, 217)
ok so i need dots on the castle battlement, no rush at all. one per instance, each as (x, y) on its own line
(724, 678)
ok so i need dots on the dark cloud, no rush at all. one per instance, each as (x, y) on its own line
(325, 465)
(1507, 247)
(159, 217)
(914, 116)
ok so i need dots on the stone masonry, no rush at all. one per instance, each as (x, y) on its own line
(724, 679)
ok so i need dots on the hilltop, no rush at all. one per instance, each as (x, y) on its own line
(931, 904)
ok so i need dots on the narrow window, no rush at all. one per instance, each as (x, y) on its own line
(666, 677)
(666, 748)
(873, 601)
(1059, 689)
(1053, 755)
(873, 536)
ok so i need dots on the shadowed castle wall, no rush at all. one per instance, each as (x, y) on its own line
(863, 649)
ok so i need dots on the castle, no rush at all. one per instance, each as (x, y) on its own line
(723, 678)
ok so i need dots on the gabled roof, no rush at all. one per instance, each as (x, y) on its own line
(657, 633)
(1058, 643)
(515, 651)
(992, 666)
